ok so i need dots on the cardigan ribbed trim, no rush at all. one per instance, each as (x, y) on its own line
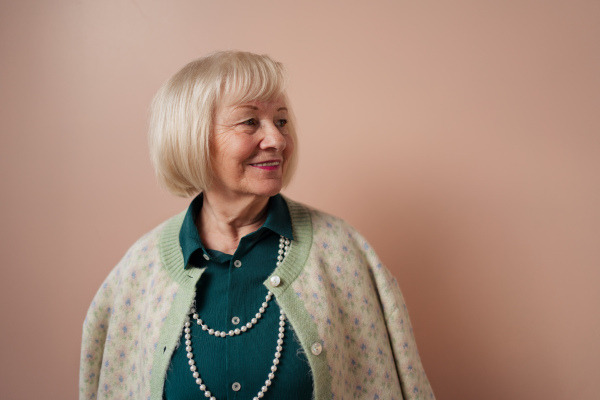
(293, 264)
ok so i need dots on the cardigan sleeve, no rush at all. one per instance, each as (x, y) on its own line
(95, 328)
(413, 380)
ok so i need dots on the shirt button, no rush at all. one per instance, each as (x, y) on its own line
(205, 256)
(316, 348)
(237, 263)
(275, 281)
(235, 320)
(236, 386)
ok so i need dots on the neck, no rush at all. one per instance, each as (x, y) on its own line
(223, 222)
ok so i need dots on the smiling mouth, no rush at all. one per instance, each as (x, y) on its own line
(267, 164)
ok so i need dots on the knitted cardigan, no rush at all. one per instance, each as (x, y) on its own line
(334, 291)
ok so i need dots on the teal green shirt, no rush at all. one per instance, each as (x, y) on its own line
(226, 291)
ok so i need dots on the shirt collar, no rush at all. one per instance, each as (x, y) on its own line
(278, 220)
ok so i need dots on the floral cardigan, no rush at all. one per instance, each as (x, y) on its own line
(346, 309)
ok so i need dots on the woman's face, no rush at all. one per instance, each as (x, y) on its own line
(250, 148)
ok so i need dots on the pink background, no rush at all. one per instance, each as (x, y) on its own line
(462, 138)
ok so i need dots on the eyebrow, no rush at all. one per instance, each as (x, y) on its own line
(256, 108)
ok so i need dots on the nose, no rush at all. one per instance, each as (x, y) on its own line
(273, 137)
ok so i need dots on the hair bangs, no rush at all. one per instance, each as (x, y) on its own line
(253, 78)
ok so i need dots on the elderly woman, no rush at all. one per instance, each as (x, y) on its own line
(246, 294)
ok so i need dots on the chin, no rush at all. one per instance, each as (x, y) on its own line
(268, 190)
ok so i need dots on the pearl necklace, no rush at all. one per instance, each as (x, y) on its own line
(236, 331)
(284, 246)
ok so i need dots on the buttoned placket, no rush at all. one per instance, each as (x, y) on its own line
(247, 276)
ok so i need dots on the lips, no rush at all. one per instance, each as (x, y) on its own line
(269, 165)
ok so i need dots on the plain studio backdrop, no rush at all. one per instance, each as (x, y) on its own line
(462, 138)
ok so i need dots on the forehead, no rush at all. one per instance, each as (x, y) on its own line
(277, 103)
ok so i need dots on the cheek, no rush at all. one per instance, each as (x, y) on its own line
(289, 147)
(233, 151)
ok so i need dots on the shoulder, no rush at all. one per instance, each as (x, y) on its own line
(327, 227)
(140, 262)
(340, 253)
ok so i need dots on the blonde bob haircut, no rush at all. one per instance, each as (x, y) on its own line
(182, 113)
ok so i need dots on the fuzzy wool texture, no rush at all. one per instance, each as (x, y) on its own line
(334, 291)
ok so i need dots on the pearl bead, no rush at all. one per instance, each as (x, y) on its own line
(193, 368)
(273, 368)
(187, 324)
(258, 315)
(271, 375)
(236, 331)
(187, 330)
(188, 348)
(276, 361)
(195, 316)
(190, 355)
(277, 355)
(249, 325)
(260, 395)
(231, 333)
(188, 342)
(268, 382)
(217, 333)
(203, 387)
(211, 331)
(207, 394)
(278, 348)
(222, 334)
(204, 327)
(199, 381)
(264, 389)
(191, 362)
(243, 328)
(197, 375)
(254, 320)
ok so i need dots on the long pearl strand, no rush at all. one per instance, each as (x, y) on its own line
(284, 246)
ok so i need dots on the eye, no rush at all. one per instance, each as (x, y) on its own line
(250, 122)
(281, 122)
